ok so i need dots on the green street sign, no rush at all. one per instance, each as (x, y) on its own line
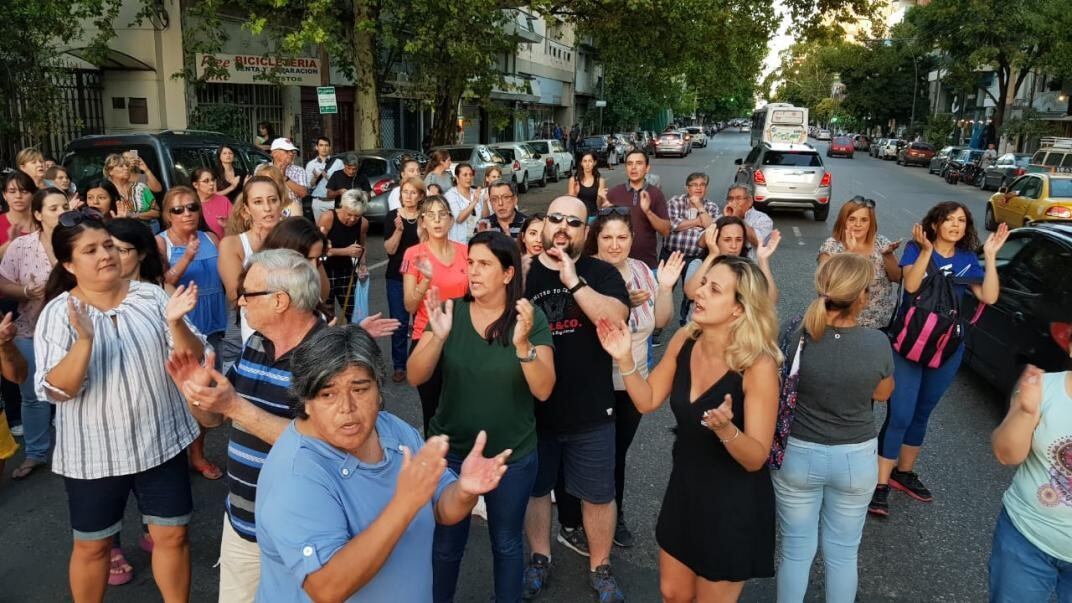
(325, 97)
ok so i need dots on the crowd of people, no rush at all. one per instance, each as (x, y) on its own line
(530, 340)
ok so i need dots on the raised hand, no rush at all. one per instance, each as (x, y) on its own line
(670, 270)
(920, 237)
(376, 326)
(193, 245)
(7, 329)
(75, 202)
(440, 315)
(615, 339)
(768, 247)
(523, 326)
(424, 265)
(183, 366)
(1027, 396)
(710, 237)
(996, 240)
(34, 290)
(850, 240)
(730, 210)
(645, 201)
(181, 302)
(567, 268)
(355, 251)
(893, 246)
(480, 475)
(717, 419)
(78, 314)
(398, 221)
(637, 297)
(220, 398)
(421, 472)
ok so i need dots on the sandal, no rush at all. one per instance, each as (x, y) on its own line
(121, 571)
(25, 469)
(207, 470)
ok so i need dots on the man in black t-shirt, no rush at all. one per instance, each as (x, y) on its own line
(576, 424)
(347, 178)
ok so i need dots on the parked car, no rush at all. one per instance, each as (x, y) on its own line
(646, 141)
(559, 161)
(481, 157)
(861, 142)
(786, 176)
(890, 148)
(687, 138)
(1031, 198)
(937, 164)
(528, 165)
(699, 139)
(841, 146)
(671, 143)
(1004, 170)
(876, 145)
(915, 153)
(172, 155)
(1025, 325)
(383, 169)
(961, 159)
(598, 145)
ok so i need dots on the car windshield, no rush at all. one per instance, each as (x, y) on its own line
(506, 154)
(792, 159)
(922, 146)
(88, 163)
(1061, 188)
(460, 153)
(373, 167)
(541, 147)
(594, 140)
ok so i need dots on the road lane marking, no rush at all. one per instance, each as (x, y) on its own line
(881, 195)
(799, 235)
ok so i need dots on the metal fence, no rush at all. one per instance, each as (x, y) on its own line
(259, 103)
(79, 111)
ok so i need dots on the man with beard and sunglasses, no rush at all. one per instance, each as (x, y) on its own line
(575, 426)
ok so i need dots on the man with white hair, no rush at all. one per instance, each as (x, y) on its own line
(283, 159)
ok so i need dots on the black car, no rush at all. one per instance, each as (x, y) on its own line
(1020, 329)
(599, 145)
(1006, 169)
(172, 155)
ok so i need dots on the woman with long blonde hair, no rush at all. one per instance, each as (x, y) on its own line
(830, 464)
(716, 526)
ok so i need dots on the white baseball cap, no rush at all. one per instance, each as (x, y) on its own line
(283, 144)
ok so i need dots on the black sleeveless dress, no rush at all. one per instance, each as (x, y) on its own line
(342, 269)
(590, 196)
(717, 518)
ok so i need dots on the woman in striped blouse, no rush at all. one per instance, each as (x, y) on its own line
(117, 430)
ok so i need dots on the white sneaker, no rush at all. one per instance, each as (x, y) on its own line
(553, 501)
(16, 430)
(481, 509)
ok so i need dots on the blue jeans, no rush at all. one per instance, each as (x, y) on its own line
(506, 518)
(1021, 573)
(917, 394)
(829, 486)
(36, 414)
(400, 338)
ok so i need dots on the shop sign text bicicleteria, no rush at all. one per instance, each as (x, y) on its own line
(253, 69)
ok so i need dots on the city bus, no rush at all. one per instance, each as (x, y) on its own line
(780, 123)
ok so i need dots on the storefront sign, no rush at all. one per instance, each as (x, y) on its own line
(325, 97)
(244, 69)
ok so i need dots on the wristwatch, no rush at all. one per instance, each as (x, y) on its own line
(581, 284)
(531, 356)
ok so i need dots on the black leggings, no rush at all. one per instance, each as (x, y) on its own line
(626, 422)
(429, 392)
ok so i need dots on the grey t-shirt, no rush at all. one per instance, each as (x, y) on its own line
(838, 375)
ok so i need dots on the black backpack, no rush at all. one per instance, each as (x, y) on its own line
(930, 329)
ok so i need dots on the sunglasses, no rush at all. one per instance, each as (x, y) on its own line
(571, 221)
(70, 219)
(248, 294)
(863, 201)
(611, 211)
(178, 210)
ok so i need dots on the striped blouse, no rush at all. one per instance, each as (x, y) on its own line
(129, 416)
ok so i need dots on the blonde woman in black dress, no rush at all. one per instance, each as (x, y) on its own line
(716, 527)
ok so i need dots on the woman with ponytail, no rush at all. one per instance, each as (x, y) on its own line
(830, 465)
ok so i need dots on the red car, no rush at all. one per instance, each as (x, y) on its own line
(841, 145)
(916, 153)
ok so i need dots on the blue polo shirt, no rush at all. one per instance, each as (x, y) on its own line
(314, 498)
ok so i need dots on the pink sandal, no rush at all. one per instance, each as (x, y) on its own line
(121, 571)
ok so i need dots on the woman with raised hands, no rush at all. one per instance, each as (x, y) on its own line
(728, 236)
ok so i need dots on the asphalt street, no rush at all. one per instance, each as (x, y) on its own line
(922, 552)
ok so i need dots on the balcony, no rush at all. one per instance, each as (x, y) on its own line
(523, 27)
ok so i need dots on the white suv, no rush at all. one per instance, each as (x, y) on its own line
(787, 176)
(699, 139)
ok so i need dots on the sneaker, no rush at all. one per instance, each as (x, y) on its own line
(16, 430)
(606, 587)
(536, 576)
(880, 504)
(908, 482)
(574, 540)
(623, 537)
(480, 509)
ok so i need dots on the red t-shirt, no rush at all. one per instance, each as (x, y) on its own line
(5, 229)
(452, 281)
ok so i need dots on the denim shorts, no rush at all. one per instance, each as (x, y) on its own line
(587, 458)
(163, 494)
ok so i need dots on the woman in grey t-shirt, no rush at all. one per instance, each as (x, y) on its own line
(830, 466)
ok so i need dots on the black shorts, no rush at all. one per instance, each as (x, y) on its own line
(96, 506)
(586, 458)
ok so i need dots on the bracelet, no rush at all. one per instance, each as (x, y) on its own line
(735, 436)
(629, 372)
(25, 292)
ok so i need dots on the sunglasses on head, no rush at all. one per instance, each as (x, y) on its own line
(178, 210)
(571, 221)
(863, 201)
(70, 219)
(615, 210)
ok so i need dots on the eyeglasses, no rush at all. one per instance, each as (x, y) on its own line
(125, 250)
(436, 216)
(571, 221)
(248, 294)
(70, 219)
(501, 198)
(616, 210)
(863, 201)
(178, 210)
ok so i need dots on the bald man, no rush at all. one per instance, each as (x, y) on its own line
(575, 426)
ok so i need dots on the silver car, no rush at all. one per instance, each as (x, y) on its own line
(671, 143)
(787, 176)
(528, 165)
(481, 157)
(558, 160)
(699, 139)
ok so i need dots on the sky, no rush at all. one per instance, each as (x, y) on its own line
(779, 42)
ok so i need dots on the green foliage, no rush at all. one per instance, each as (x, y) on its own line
(227, 119)
(1028, 126)
(939, 129)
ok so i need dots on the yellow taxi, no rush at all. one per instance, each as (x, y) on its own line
(1032, 197)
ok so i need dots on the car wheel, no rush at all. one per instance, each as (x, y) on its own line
(524, 186)
(557, 174)
(821, 213)
(542, 182)
(989, 222)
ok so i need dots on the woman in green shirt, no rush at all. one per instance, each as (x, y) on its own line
(495, 352)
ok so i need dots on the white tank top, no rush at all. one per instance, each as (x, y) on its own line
(247, 253)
